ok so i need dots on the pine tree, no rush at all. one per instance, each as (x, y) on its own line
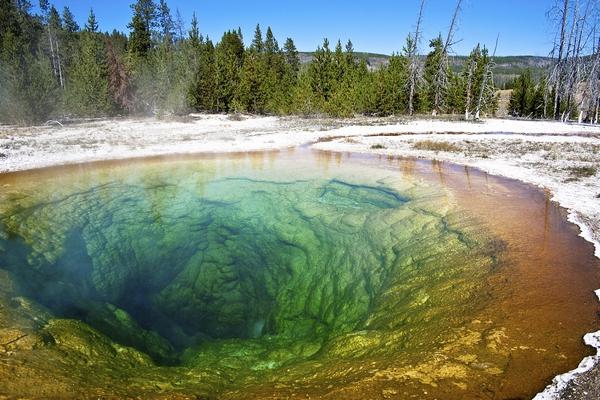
(28, 88)
(343, 81)
(251, 93)
(257, 42)
(10, 28)
(291, 56)
(167, 87)
(28, 92)
(271, 45)
(92, 25)
(141, 25)
(339, 63)
(303, 96)
(273, 75)
(350, 56)
(194, 34)
(192, 49)
(38, 90)
(393, 80)
(69, 22)
(44, 6)
(353, 80)
(432, 63)
(119, 42)
(520, 103)
(88, 90)
(162, 60)
(366, 89)
(539, 106)
(54, 19)
(320, 72)
(69, 42)
(24, 6)
(165, 21)
(454, 95)
(229, 57)
(202, 94)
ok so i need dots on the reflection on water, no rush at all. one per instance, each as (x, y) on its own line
(292, 272)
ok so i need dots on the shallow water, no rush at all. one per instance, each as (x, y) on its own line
(287, 273)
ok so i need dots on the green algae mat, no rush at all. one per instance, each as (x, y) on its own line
(274, 275)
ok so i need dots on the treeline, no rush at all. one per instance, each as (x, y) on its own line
(571, 87)
(51, 68)
(528, 99)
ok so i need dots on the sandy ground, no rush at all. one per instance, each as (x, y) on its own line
(563, 159)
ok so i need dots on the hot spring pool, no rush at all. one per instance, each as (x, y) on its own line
(281, 274)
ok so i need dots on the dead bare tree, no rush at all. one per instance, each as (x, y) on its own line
(441, 77)
(594, 81)
(582, 64)
(52, 30)
(594, 86)
(559, 64)
(572, 79)
(590, 96)
(487, 73)
(570, 62)
(415, 74)
(58, 60)
(471, 69)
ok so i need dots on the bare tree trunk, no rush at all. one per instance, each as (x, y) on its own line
(546, 101)
(52, 56)
(594, 83)
(59, 64)
(571, 62)
(441, 79)
(585, 67)
(486, 72)
(472, 66)
(558, 85)
(414, 62)
(55, 54)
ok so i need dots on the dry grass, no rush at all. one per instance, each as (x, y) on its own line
(236, 117)
(582, 172)
(431, 145)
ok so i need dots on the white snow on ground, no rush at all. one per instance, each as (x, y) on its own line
(561, 158)
(27, 148)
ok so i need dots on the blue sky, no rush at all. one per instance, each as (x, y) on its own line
(378, 26)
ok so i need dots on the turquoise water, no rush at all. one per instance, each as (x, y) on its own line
(170, 257)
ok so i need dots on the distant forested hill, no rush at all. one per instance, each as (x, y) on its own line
(507, 68)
